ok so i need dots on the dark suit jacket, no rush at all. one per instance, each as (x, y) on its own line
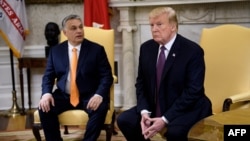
(94, 74)
(182, 80)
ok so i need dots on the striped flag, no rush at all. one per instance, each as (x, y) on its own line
(13, 24)
(96, 13)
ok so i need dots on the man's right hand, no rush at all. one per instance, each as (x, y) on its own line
(45, 102)
(145, 123)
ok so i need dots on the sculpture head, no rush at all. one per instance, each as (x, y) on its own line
(52, 33)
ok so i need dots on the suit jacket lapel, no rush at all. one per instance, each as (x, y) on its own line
(65, 55)
(154, 51)
(174, 51)
(82, 55)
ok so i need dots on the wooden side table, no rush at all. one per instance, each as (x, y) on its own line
(28, 62)
(212, 127)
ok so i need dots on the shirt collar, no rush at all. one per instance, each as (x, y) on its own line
(71, 47)
(170, 43)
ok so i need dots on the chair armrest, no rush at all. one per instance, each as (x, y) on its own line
(242, 97)
(115, 79)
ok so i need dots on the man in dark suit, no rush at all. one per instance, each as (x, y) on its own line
(179, 91)
(93, 80)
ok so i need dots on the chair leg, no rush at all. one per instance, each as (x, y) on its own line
(110, 128)
(66, 130)
(113, 124)
(36, 133)
(114, 132)
(109, 131)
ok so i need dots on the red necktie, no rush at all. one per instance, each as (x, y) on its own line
(74, 93)
(159, 70)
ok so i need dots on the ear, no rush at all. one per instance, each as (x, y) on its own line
(173, 27)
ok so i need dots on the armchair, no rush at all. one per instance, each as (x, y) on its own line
(227, 57)
(105, 38)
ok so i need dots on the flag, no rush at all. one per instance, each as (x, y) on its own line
(96, 13)
(13, 24)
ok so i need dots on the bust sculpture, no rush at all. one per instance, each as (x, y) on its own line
(51, 34)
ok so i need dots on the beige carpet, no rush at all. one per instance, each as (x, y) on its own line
(75, 135)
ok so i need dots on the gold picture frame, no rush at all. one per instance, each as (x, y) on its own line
(52, 1)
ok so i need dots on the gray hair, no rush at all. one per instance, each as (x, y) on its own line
(70, 17)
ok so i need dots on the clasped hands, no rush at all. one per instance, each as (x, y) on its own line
(47, 100)
(151, 126)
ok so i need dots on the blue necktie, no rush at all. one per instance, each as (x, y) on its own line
(159, 69)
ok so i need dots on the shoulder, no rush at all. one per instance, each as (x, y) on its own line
(61, 46)
(92, 46)
(188, 44)
(90, 43)
(149, 44)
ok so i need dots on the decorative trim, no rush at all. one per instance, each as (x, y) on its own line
(52, 1)
(143, 3)
(126, 27)
(197, 14)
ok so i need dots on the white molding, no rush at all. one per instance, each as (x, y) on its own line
(165, 2)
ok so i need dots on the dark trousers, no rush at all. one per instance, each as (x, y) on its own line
(177, 130)
(51, 125)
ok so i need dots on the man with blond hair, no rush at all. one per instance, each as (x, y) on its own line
(169, 86)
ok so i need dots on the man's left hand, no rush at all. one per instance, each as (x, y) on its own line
(94, 102)
(157, 125)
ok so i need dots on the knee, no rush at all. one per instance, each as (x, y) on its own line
(121, 120)
(176, 134)
(126, 119)
(129, 118)
(41, 112)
